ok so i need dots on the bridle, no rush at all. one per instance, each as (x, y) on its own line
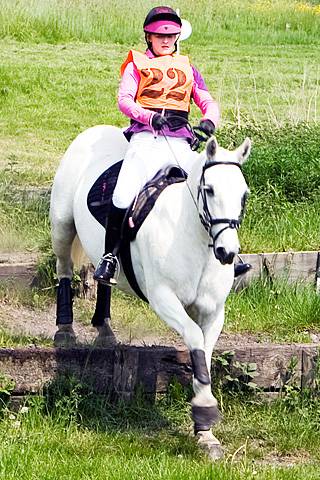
(205, 217)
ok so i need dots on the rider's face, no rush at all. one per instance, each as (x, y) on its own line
(162, 44)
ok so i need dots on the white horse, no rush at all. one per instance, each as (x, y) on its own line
(182, 256)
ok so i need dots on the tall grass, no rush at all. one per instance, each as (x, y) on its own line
(116, 21)
(24, 220)
(277, 310)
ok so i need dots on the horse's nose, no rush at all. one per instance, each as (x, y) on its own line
(223, 256)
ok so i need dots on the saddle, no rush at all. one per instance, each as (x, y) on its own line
(99, 203)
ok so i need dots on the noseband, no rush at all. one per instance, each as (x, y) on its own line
(206, 219)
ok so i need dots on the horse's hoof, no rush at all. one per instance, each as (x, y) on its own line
(210, 445)
(103, 342)
(64, 339)
(106, 337)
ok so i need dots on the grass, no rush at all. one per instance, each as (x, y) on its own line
(58, 98)
(275, 310)
(77, 435)
(10, 340)
(271, 311)
(98, 21)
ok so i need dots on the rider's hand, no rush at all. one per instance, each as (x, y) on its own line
(158, 121)
(207, 126)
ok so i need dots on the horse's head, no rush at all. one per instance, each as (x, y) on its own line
(222, 194)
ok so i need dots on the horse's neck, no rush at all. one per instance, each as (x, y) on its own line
(177, 206)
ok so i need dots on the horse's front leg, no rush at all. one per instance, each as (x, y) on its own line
(102, 317)
(205, 413)
(204, 406)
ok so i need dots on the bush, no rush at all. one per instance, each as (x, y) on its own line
(284, 162)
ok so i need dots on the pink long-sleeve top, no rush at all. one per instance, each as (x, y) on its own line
(141, 117)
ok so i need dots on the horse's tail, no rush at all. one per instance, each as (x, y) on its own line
(78, 255)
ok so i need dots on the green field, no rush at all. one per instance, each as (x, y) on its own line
(259, 59)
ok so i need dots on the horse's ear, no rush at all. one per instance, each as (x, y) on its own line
(211, 149)
(243, 151)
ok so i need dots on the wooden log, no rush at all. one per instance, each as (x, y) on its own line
(88, 287)
(310, 366)
(18, 267)
(274, 363)
(291, 266)
(125, 372)
(121, 369)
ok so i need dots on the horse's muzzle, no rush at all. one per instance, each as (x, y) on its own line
(223, 256)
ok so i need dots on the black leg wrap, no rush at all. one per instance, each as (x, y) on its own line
(199, 366)
(64, 302)
(102, 310)
(204, 417)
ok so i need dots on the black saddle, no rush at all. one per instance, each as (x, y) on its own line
(99, 203)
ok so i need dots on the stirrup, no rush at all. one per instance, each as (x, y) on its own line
(107, 270)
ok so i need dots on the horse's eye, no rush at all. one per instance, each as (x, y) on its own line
(209, 190)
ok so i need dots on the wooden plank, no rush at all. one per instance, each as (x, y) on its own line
(122, 368)
(292, 266)
(32, 368)
(125, 372)
(273, 363)
(18, 266)
(21, 272)
(310, 366)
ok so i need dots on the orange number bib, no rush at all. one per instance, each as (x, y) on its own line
(165, 82)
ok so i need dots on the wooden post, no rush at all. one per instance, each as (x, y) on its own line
(88, 287)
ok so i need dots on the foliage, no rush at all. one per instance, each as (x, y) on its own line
(274, 308)
(307, 397)
(6, 387)
(232, 377)
(285, 161)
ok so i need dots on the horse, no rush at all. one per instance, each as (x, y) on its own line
(182, 256)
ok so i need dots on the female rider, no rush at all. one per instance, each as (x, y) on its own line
(155, 93)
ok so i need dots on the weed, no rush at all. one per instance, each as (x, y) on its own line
(6, 388)
(233, 377)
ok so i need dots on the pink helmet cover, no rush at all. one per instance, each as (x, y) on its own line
(163, 27)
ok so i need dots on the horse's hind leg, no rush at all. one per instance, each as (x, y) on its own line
(63, 234)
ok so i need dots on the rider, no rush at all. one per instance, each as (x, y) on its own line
(155, 93)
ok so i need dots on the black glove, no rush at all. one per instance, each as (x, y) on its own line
(158, 121)
(207, 126)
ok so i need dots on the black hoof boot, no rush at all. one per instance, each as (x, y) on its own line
(241, 268)
(106, 270)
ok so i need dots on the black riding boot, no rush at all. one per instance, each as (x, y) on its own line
(106, 267)
(241, 268)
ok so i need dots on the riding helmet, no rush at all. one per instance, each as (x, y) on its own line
(162, 21)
